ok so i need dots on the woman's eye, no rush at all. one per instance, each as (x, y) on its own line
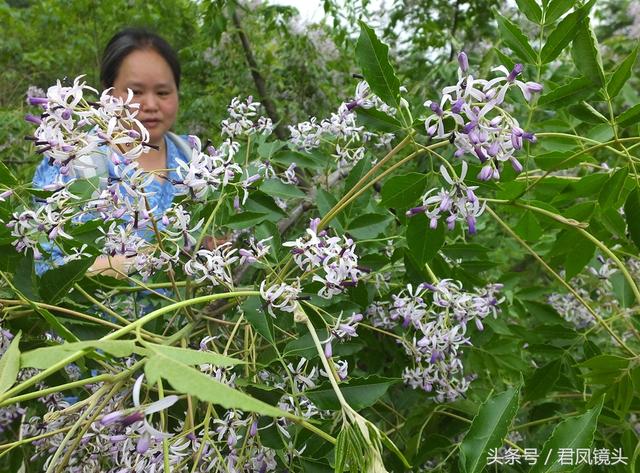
(163, 93)
(136, 92)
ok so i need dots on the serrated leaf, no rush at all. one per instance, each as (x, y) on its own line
(403, 191)
(515, 39)
(531, 10)
(556, 8)
(621, 74)
(192, 357)
(488, 429)
(570, 93)
(188, 380)
(42, 358)
(564, 33)
(424, 242)
(572, 433)
(629, 117)
(586, 55)
(359, 392)
(10, 364)
(373, 58)
(632, 215)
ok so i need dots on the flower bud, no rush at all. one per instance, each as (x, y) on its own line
(463, 62)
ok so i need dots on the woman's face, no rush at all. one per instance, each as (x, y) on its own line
(154, 87)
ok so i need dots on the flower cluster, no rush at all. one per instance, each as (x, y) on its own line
(334, 256)
(595, 288)
(457, 203)
(342, 128)
(241, 119)
(280, 296)
(207, 172)
(482, 128)
(71, 127)
(435, 331)
(213, 266)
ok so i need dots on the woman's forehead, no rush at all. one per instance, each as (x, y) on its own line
(145, 68)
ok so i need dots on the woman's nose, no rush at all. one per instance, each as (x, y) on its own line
(149, 103)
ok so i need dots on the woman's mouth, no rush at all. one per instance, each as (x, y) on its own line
(151, 123)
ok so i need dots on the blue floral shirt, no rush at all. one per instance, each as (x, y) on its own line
(163, 192)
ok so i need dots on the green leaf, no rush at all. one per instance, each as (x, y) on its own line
(586, 55)
(277, 188)
(374, 119)
(325, 202)
(621, 74)
(266, 150)
(632, 215)
(558, 160)
(622, 290)
(373, 58)
(55, 283)
(188, 380)
(581, 253)
(192, 357)
(55, 324)
(564, 33)
(570, 93)
(258, 318)
(403, 191)
(10, 364)
(424, 242)
(605, 369)
(531, 10)
(629, 117)
(528, 227)
(42, 358)
(84, 188)
(572, 433)
(556, 9)
(610, 193)
(587, 113)
(488, 429)
(368, 226)
(245, 220)
(359, 392)
(542, 381)
(6, 176)
(515, 39)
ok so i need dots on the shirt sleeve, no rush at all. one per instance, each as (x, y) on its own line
(45, 175)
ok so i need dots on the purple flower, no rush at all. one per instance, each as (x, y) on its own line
(463, 62)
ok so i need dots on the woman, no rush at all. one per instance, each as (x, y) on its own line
(141, 61)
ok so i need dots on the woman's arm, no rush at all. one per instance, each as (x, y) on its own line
(117, 266)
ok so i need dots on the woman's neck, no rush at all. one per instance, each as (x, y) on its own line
(155, 160)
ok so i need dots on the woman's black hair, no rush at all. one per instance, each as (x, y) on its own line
(129, 40)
